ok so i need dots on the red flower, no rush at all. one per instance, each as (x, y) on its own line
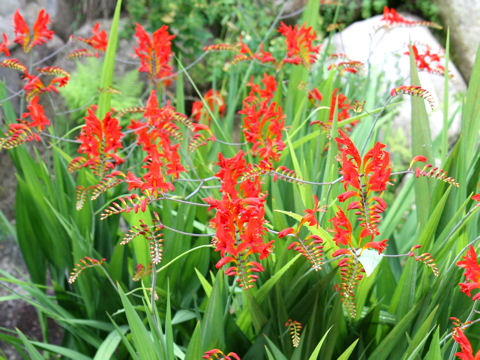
(465, 346)
(155, 135)
(213, 100)
(299, 44)
(427, 60)
(366, 177)
(98, 41)
(391, 17)
(476, 197)
(4, 47)
(265, 56)
(100, 140)
(342, 229)
(155, 53)
(343, 108)
(472, 273)
(35, 85)
(37, 114)
(40, 31)
(209, 355)
(264, 120)
(239, 220)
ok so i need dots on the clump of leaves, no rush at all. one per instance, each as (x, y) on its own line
(84, 88)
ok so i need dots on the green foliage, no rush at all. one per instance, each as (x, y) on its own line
(83, 88)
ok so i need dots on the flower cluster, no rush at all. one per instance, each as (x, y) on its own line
(365, 180)
(466, 352)
(299, 44)
(312, 247)
(472, 273)
(155, 53)
(263, 120)
(391, 19)
(427, 60)
(213, 99)
(156, 135)
(98, 41)
(343, 108)
(40, 34)
(239, 220)
(100, 141)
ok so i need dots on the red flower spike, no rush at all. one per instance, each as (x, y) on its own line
(239, 219)
(295, 328)
(392, 19)
(413, 90)
(472, 273)
(14, 64)
(157, 137)
(83, 264)
(466, 352)
(264, 120)
(351, 272)
(40, 34)
(100, 140)
(155, 53)
(299, 44)
(367, 176)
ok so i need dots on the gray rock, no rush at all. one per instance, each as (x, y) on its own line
(461, 16)
(8, 7)
(385, 49)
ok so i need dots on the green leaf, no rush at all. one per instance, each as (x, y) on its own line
(34, 354)
(434, 352)
(420, 337)
(277, 354)
(245, 319)
(140, 335)
(106, 79)
(397, 334)
(421, 145)
(110, 344)
(316, 351)
(346, 354)
(205, 284)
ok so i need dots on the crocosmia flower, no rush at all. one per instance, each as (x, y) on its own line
(299, 44)
(239, 220)
(4, 46)
(154, 53)
(98, 41)
(472, 273)
(466, 352)
(264, 120)
(40, 33)
(100, 141)
(213, 100)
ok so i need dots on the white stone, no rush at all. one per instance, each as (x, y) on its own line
(461, 16)
(385, 49)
